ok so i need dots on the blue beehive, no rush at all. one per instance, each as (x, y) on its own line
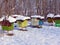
(41, 20)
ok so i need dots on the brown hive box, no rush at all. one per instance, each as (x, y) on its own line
(50, 18)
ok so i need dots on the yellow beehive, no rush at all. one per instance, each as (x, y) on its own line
(22, 24)
(22, 21)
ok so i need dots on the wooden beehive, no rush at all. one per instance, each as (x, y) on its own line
(22, 21)
(41, 21)
(57, 20)
(8, 24)
(35, 20)
(50, 18)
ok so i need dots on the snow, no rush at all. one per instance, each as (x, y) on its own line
(14, 15)
(41, 17)
(22, 18)
(27, 18)
(11, 19)
(17, 15)
(57, 16)
(48, 35)
(50, 15)
(35, 16)
(1, 19)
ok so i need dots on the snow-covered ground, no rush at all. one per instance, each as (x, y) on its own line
(48, 35)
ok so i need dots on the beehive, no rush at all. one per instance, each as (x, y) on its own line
(35, 20)
(50, 19)
(22, 21)
(41, 21)
(57, 20)
(8, 24)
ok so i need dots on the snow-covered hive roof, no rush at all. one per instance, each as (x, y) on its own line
(2, 18)
(37, 16)
(27, 17)
(22, 18)
(14, 15)
(41, 17)
(17, 15)
(11, 19)
(50, 15)
(57, 15)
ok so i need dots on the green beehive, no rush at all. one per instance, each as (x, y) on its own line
(57, 20)
(8, 28)
(7, 24)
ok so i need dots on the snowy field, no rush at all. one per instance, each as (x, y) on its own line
(48, 35)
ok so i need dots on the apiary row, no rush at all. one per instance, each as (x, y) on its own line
(36, 21)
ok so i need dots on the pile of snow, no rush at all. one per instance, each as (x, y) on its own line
(11, 19)
(37, 16)
(50, 15)
(57, 15)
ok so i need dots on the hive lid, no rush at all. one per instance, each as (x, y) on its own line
(17, 15)
(14, 15)
(27, 17)
(11, 19)
(57, 15)
(35, 16)
(50, 15)
(22, 18)
(41, 17)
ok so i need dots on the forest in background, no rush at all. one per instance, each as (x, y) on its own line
(29, 7)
